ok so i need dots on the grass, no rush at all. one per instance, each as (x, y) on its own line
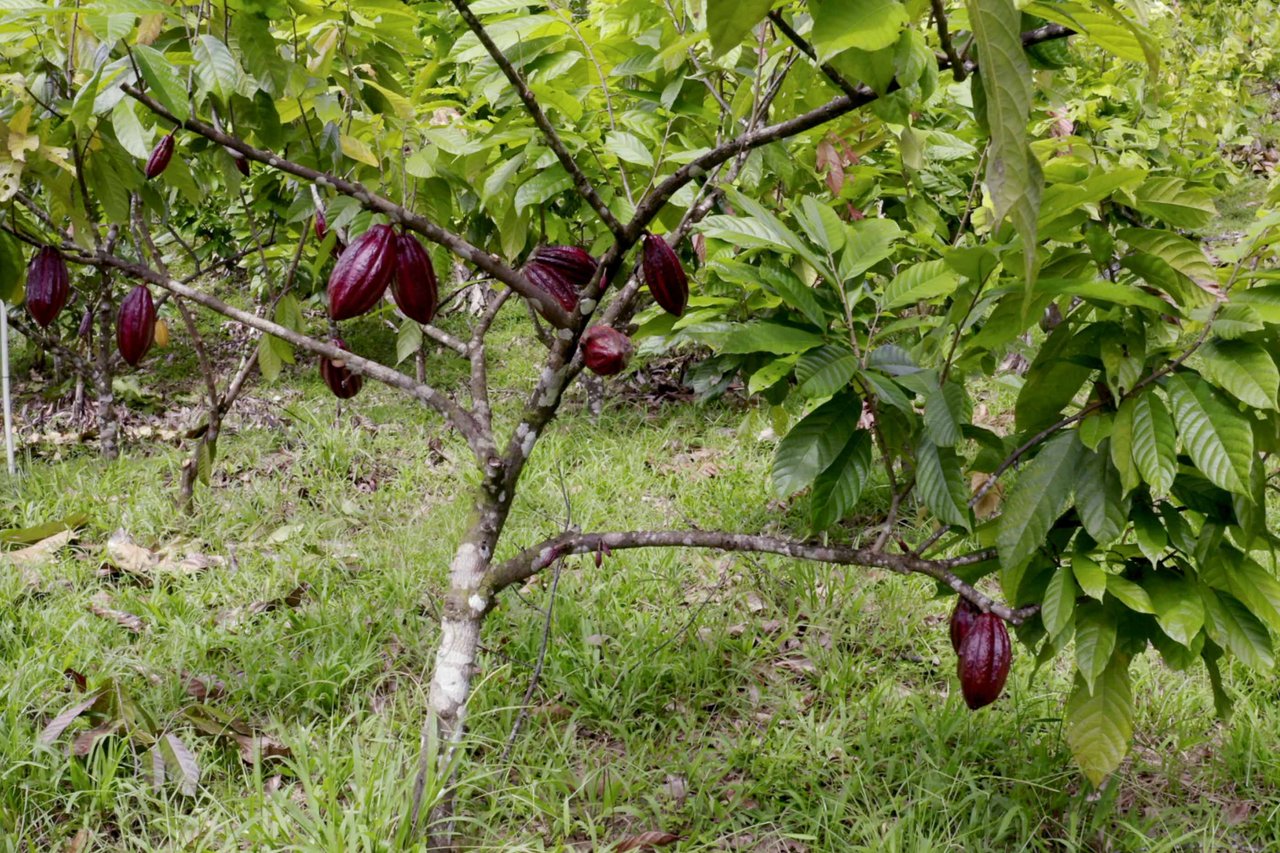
(745, 703)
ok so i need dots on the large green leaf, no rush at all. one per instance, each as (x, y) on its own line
(869, 242)
(865, 24)
(163, 79)
(1177, 251)
(1100, 496)
(923, 281)
(1232, 626)
(1217, 437)
(1169, 199)
(1154, 442)
(1057, 611)
(1100, 721)
(947, 408)
(1179, 608)
(940, 478)
(1244, 369)
(1095, 641)
(824, 371)
(217, 68)
(814, 443)
(12, 269)
(1014, 178)
(837, 489)
(1037, 499)
(729, 21)
(1256, 587)
(769, 337)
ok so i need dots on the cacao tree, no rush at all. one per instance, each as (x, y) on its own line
(863, 210)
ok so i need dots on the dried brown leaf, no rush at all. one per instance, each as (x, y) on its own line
(40, 553)
(100, 606)
(83, 744)
(79, 842)
(647, 841)
(59, 724)
(180, 762)
(203, 688)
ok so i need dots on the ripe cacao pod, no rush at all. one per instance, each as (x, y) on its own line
(664, 275)
(961, 621)
(341, 381)
(605, 350)
(48, 285)
(162, 334)
(552, 282)
(160, 157)
(321, 225)
(413, 286)
(242, 164)
(984, 657)
(136, 324)
(574, 263)
(361, 275)
(86, 323)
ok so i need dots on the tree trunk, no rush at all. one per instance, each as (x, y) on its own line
(108, 419)
(464, 610)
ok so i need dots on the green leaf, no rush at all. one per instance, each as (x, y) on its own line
(837, 489)
(769, 337)
(1091, 576)
(946, 409)
(216, 67)
(1100, 499)
(1218, 439)
(1014, 178)
(1169, 199)
(166, 86)
(1154, 442)
(770, 374)
(269, 362)
(1255, 586)
(1244, 369)
(1099, 721)
(628, 148)
(825, 370)
(1058, 608)
(1231, 625)
(129, 132)
(543, 187)
(941, 481)
(865, 24)
(729, 21)
(869, 242)
(1130, 594)
(1178, 606)
(1037, 499)
(408, 340)
(924, 281)
(1121, 445)
(1177, 251)
(13, 270)
(813, 444)
(821, 225)
(1095, 641)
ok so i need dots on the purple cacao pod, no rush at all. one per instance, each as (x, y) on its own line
(321, 225)
(341, 380)
(664, 275)
(242, 164)
(605, 350)
(136, 324)
(48, 286)
(984, 658)
(553, 282)
(414, 285)
(86, 323)
(573, 263)
(160, 156)
(962, 618)
(362, 273)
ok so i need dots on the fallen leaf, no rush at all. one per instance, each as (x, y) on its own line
(647, 841)
(130, 557)
(100, 606)
(40, 553)
(77, 679)
(83, 744)
(202, 688)
(32, 535)
(79, 842)
(235, 617)
(253, 744)
(179, 760)
(59, 724)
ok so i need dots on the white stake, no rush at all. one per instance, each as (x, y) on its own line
(4, 383)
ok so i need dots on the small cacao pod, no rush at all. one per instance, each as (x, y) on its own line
(242, 164)
(160, 156)
(664, 275)
(413, 286)
(136, 324)
(86, 323)
(961, 621)
(605, 350)
(48, 286)
(162, 334)
(574, 263)
(984, 657)
(321, 225)
(341, 380)
(553, 282)
(362, 273)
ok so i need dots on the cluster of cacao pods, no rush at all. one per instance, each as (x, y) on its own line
(374, 260)
(561, 272)
(983, 653)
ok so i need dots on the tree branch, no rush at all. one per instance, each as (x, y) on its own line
(533, 560)
(940, 21)
(531, 105)
(489, 263)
